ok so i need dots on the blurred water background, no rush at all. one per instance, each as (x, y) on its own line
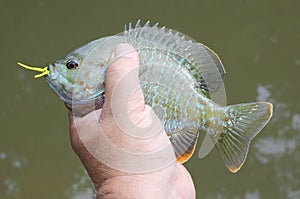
(257, 40)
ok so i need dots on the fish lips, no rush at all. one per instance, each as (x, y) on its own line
(67, 97)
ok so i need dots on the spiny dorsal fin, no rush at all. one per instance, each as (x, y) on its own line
(209, 66)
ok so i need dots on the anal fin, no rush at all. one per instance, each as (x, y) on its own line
(184, 143)
(186, 156)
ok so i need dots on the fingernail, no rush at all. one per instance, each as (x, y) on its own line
(123, 50)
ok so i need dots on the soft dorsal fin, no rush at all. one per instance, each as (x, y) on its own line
(210, 70)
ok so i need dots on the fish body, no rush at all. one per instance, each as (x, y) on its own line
(178, 77)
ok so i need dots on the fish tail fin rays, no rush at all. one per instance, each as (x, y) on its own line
(184, 143)
(242, 123)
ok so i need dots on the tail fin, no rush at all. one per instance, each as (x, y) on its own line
(243, 122)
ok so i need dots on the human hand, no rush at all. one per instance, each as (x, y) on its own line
(123, 146)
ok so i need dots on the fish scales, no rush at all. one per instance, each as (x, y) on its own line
(178, 77)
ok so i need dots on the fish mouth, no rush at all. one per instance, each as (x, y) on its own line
(54, 79)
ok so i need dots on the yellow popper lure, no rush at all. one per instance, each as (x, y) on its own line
(44, 71)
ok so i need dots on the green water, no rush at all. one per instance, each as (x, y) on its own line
(258, 41)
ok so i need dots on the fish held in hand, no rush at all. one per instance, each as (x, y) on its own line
(178, 77)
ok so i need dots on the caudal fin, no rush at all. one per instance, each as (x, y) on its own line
(242, 123)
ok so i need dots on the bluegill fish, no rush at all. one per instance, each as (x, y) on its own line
(178, 77)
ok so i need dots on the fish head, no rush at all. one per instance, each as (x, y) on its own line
(79, 76)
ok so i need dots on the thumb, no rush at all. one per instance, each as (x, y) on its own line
(124, 100)
(122, 80)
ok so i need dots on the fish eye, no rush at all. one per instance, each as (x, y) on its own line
(72, 64)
